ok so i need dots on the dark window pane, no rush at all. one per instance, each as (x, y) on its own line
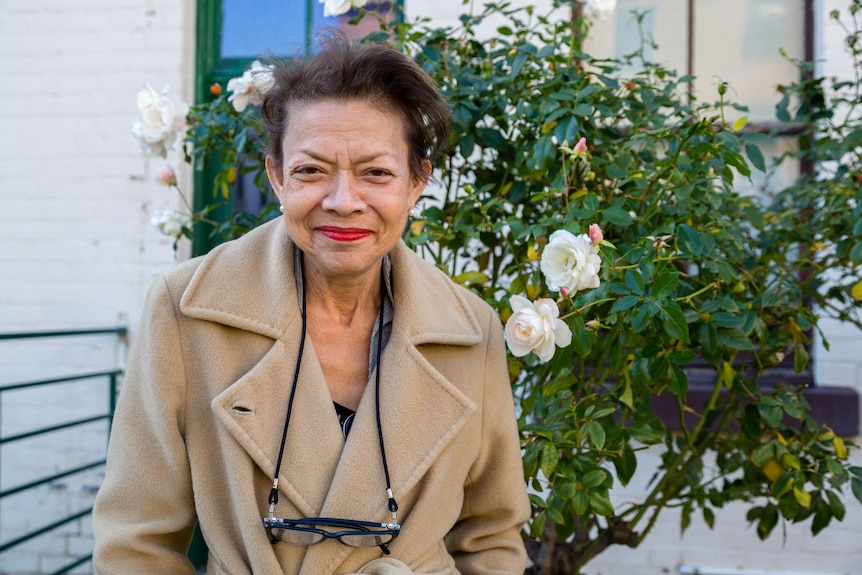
(254, 27)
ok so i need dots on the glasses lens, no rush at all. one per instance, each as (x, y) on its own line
(295, 536)
(369, 539)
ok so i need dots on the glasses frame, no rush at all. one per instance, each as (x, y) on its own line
(348, 527)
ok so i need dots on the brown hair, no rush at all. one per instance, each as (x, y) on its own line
(374, 73)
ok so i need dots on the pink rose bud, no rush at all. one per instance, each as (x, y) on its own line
(167, 176)
(593, 324)
(581, 146)
(564, 291)
(596, 234)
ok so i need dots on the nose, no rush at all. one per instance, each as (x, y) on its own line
(343, 196)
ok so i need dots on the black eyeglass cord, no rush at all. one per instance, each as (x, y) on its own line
(273, 492)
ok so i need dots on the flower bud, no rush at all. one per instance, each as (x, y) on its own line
(581, 146)
(166, 176)
(596, 234)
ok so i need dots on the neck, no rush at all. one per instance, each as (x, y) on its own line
(349, 302)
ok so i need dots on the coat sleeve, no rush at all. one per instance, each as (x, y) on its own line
(144, 513)
(487, 537)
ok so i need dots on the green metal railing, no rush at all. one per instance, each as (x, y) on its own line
(112, 376)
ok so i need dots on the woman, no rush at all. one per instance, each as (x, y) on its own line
(314, 395)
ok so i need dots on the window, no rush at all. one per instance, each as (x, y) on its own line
(734, 41)
(738, 42)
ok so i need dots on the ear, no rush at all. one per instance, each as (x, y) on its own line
(419, 184)
(275, 174)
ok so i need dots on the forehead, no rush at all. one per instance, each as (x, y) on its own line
(351, 117)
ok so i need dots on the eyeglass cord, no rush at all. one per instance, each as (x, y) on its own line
(273, 492)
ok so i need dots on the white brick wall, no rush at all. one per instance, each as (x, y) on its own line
(76, 248)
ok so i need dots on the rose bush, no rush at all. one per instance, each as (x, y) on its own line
(624, 268)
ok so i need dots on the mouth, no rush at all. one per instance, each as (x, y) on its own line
(343, 234)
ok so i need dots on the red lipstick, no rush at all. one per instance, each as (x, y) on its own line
(344, 234)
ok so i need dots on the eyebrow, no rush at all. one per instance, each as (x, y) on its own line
(360, 160)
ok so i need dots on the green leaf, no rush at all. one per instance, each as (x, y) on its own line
(550, 458)
(520, 59)
(596, 434)
(644, 433)
(726, 374)
(666, 282)
(756, 156)
(626, 464)
(635, 281)
(566, 489)
(580, 502)
(617, 216)
(763, 454)
(691, 240)
(641, 318)
(856, 254)
(800, 358)
(836, 505)
(708, 517)
(856, 487)
(767, 522)
(675, 325)
(734, 339)
(601, 503)
(821, 520)
(626, 397)
(538, 525)
(677, 381)
(594, 478)
(724, 319)
(625, 303)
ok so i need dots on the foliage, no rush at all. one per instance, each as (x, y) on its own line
(693, 273)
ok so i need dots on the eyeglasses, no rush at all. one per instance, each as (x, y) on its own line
(312, 530)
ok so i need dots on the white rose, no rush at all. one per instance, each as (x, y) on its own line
(571, 262)
(170, 223)
(159, 121)
(536, 327)
(339, 7)
(601, 9)
(250, 87)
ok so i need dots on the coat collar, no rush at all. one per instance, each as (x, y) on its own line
(249, 285)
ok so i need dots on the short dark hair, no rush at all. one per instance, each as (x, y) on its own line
(373, 73)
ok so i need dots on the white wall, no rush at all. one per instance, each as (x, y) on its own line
(76, 247)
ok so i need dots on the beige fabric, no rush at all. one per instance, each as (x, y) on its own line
(202, 407)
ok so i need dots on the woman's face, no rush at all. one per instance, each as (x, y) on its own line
(345, 185)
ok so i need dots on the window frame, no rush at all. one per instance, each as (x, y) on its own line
(836, 406)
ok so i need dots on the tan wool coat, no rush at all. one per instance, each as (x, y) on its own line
(202, 407)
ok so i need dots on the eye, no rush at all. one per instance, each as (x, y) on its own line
(306, 172)
(378, 173)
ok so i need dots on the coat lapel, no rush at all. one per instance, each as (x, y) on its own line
(250, 285)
